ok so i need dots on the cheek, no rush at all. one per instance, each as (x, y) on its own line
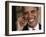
(35, 14)
(26, 16)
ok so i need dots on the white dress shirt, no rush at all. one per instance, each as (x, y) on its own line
(36, 28)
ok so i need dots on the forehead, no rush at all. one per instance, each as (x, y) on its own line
(27, 8)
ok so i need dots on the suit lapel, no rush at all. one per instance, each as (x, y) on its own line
(26, 27)
(39, 26)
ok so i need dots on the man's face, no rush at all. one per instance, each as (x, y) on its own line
(30, 13)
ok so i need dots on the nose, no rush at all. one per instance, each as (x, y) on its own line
(29, 15)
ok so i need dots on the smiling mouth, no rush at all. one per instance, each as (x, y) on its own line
(31, 20)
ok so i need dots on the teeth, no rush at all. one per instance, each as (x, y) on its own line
(31, 20)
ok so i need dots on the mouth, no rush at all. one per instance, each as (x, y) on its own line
(31, 20)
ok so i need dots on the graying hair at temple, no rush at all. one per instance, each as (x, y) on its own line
(24, 8)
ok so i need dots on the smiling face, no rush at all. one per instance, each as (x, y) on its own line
(30, 13)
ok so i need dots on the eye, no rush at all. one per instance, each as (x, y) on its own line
(33, 11)
(25, 13)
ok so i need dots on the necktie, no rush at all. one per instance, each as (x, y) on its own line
(33, 29)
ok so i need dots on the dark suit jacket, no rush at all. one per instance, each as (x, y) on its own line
(26, 27)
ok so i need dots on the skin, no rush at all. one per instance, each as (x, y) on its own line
(30, 15)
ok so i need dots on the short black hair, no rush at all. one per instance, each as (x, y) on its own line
(23, 7)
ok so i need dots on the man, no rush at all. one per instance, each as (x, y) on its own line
(29, 19)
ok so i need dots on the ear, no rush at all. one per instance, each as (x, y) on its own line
(39, 13)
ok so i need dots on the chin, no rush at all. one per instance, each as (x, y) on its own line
(31, 26)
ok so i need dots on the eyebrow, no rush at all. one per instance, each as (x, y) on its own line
(32, 10)
(34, 7)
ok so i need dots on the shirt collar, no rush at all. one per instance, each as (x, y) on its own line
(37, 27)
